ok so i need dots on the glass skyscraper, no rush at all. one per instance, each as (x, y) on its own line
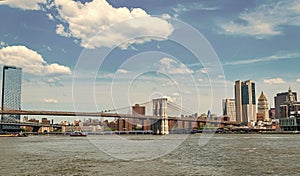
(11, 95)
(245, 101)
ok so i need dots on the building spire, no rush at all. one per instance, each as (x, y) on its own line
(262, 96)
(290, 97)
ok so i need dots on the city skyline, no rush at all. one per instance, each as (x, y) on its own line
(47, 41)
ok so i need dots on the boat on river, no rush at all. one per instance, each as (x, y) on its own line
(78, 134)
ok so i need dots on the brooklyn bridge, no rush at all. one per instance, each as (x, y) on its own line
(160, 122)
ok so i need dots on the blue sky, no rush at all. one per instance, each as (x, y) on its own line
(97, 55)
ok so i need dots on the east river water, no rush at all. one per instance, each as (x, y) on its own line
(223, 154)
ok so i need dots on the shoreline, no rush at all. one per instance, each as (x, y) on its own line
(6, 134)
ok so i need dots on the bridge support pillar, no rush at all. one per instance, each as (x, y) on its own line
(146, 125)
(160, 109)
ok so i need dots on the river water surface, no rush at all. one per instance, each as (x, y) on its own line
(224, 154)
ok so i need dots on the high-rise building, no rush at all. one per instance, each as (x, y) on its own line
(238, 100)
(245, 101)
(290, 113)
(229, 109)
(138, 110)
(11, 95)
(263, 107)
(290, 107)
(279, 99)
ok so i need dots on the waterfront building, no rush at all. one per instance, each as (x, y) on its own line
(245, 101)
(11, 95)
(272, 113)
(279, 99)
(263, 107)
(138, 110)
(290, 113)
(229, 109)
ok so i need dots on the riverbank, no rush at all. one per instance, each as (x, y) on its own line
(149, 132)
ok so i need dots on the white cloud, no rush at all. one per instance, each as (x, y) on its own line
(277, 56)
(57, 69)
(50, 100)
(298, 80)
(203, 70)
(105, 75)
(50, 16)
(54, 81)
(171, 66)
(166, 16)
(176, 94)
(180, 8)
(265, 21)
(274, 81)
(60, 30)
(167, 61)
(30, 61)
(2, 43)
(122, 71)
(24, 4)
(170, 83)
(98, 24)
(221, 76)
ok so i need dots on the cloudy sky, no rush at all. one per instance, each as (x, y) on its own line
(106, 54)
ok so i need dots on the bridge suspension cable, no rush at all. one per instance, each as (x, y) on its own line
(179, 108)
(126, 108)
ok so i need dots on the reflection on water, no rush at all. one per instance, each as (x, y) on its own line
(225, 154)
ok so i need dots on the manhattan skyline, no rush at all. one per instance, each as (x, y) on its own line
(255, 40)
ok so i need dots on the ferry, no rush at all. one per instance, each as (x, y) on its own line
(78, 134)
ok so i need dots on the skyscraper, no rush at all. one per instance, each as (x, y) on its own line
(238, 100)
(245, 101)
(229, 108)
(263, 107)
(279, 99)
(11, 94)
(290, 113)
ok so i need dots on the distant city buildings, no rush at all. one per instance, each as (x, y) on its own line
(263, 108)
(245, 101)
(11, 95)
(229, 109)
(242, 110)
(45, 125)
(279, 99)
(290, 113)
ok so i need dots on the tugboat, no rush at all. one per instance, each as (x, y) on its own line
(78, 134)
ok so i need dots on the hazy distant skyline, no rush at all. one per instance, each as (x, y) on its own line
(255, 40)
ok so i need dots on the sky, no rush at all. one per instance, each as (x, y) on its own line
(99, 55)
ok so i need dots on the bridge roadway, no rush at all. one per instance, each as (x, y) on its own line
(113, 115)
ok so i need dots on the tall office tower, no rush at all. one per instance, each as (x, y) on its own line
(11, 95)
(229, 108)
(290, 107)
(263, 107)
(245, 101)
(279, 99)
(238, 100)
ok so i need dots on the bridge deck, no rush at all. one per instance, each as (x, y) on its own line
(115, 115)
